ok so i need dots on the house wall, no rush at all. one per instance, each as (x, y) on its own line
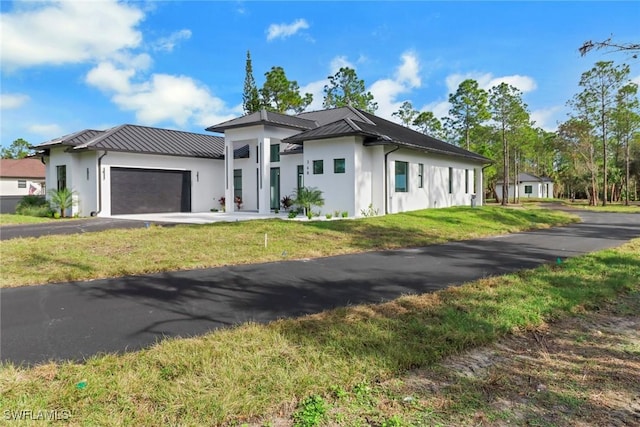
(369, 179)
(58, 157)
(435, 191)
(207, 176)
(538, 190)
(338, 189)
(9, 186)
(289, 174)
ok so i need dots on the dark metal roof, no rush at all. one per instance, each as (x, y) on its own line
(292, 149)
(377, 130)
(323, 117)
(264, 117)
(73, 139)
(528, 177)
(148, 140)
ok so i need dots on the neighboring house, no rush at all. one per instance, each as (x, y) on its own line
(20, 177)
(528, 186)
(356, 159)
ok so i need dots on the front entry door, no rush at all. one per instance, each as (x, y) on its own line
(275, 188)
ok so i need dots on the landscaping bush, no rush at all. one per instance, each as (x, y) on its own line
(34, 206)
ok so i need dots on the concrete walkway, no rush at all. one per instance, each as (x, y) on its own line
(77, 320)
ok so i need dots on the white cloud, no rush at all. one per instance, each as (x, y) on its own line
(108, 78)
(340, 62)
(283, 31)
(487, 80)
(440, 109)
(547, 118)
(10, 101)
(177, 99)
(167, 44)
(386, 91)
(48, 131)
(63, 32)
(317, 90)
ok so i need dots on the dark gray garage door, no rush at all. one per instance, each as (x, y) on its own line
(149, 191)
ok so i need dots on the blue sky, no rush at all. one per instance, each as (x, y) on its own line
(68, 66)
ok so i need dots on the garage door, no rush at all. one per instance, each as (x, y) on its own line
(149, 191)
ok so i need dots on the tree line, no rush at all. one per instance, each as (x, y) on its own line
(594, 154)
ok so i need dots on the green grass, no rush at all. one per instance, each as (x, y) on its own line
(115, 253)
(610, 207)
(12, 219)
(238, 374)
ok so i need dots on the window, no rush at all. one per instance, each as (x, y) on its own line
(528, 189)
(338, 165)
(300, 176)
(420, 175)
(466, 181)
(61, 174)
(318, 167)
(275, 153)
(257, 154)
(237, 183)
(450, 180)
(402, 170)
(22, 183)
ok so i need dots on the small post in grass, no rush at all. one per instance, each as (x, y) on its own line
(265, 240)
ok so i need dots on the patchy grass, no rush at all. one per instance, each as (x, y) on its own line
(617, 207)
(113, 253)
(260, 372)
(12, 219)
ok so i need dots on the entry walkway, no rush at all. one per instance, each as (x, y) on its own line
(199, 217)
(77, 320)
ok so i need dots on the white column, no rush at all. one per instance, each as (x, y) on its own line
(479, 186)
(228, 174)
(264, 176)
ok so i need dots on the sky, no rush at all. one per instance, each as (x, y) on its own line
(73, 65)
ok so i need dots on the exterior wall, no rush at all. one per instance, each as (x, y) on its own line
(538, 190)
(58, 157)
(9, 186)
(289, 174)
(207, 176)
(338, 189)
(435, 191)
(369, 179)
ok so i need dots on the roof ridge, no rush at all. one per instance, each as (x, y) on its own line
(99, 137)
(351, 123)
(358, 112)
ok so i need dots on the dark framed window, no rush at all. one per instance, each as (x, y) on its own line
(237, 183)
(402, 173)
(318, 167)
(22, 183)
(528, 189)
(466, 181)
(338, 166)
(420, 175)
(300, 176)
(61, 175)
(275, 153)
(450, 180)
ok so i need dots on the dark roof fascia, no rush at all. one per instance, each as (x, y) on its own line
(91, 148)
(478, 158)
(264, 118)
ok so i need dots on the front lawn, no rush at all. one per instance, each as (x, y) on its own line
(12, 219)
(263, 372)
(115, 253)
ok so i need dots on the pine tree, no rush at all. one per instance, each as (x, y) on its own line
(250, 97)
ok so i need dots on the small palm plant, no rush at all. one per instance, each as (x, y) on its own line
(307, 197)
(61, 200)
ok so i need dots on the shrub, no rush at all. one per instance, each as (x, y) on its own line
(286, 202)
(312, 411)
(61, 200)
(293, 214)
(328, 216)
(34, 206)
(345, 214)
(307, 197)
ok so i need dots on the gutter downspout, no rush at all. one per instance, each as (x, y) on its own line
(386, 180)
(99, 178)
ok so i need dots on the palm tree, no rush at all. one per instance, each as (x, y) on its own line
(61, 199)
(307, 197)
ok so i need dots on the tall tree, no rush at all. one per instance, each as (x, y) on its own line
(280, 94)
(345, 88)
(427, 123)
(19, 149)
(510, 114)
(579, 148)
(250, 97)
(406, 113)
(600, 86)
(469, 109)
(626, 123)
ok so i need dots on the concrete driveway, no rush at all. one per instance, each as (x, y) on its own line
(77, 320)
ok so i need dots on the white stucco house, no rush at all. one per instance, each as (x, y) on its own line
(528, 186)
(355, 158)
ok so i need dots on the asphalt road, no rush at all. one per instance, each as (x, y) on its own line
(71, 226)
(77, 320)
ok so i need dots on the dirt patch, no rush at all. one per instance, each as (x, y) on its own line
(579, 371)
